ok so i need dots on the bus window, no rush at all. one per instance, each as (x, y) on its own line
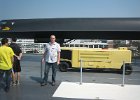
(90, 46)
(76, 45)
(81, 45)
(100, 46)
(95, 46)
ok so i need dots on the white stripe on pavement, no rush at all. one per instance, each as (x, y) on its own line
(97, 91)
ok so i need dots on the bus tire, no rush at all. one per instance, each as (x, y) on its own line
(128, 69)
(63, 67)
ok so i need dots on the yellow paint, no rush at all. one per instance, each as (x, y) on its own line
(99, 58)
(6, 28)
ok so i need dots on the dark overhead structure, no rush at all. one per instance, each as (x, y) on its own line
(72, 28)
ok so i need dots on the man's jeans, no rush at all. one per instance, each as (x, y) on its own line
(7, 77)
(46, 72)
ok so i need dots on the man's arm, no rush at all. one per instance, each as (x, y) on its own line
(20, 54)
(12, 55)
(44, 55)
(58, 55)
(58, 58)
(19, 57)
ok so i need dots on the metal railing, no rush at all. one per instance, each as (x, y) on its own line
(81, 70)
(41, 69)
(123, 79)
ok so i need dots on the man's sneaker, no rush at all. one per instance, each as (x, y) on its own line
(53, 83)
(43, 84)
(7, 89)
(14, 84)
(17, 83)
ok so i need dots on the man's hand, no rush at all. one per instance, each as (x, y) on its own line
(43, 60)
(19, 58)
(58, 62)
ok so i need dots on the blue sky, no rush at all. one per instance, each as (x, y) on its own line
(26, 9)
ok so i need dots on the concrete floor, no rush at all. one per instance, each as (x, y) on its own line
(30, 88)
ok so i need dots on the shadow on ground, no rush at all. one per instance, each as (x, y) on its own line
(95, 70)
(36, 79)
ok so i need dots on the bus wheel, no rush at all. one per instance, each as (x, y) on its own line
(128, 69)
(63, 67)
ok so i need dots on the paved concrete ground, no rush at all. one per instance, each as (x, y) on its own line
(30, 88)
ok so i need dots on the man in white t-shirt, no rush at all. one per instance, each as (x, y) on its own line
(51, 57)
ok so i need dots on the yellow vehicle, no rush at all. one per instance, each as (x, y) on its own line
(96, 58)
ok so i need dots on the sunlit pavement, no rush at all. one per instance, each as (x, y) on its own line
(30, 88)
(97, 91)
